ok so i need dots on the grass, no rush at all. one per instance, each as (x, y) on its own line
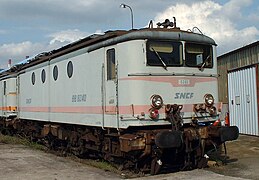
(100, 164)
(106, 166)
(20, 140)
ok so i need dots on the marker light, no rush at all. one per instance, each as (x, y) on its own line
(212, 110)
(154, 114)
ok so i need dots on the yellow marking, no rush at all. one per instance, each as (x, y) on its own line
(9, 108)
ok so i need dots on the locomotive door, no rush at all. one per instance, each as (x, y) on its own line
(110, 82)
(110, 89)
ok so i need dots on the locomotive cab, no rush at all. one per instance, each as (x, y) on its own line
(181, 72)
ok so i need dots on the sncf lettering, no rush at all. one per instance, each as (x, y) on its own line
(183, 96)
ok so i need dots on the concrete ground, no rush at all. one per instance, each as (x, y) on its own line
(18, 162)
(243, 158)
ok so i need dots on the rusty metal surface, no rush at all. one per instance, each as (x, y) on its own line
(131, 142)
(46, 130)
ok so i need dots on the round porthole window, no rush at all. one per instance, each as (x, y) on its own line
(69, 69)
(33, 78)
(55, 72)
(43, 76)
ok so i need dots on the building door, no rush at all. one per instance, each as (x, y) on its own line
(243, 102)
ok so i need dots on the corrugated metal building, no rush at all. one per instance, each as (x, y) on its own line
(239, 87)
(243, 93)
(241, 57)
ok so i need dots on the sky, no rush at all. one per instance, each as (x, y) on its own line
(29, 27)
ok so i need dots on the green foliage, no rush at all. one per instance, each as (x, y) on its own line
(102, 165)
(20, 140)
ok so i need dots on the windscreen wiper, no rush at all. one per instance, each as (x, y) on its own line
(159, 57)
(204, 63)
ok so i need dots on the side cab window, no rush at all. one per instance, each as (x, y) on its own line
(110, 56)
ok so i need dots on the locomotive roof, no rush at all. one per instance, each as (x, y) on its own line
(96, 41)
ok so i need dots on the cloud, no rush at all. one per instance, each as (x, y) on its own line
(55, 23)
(67, 36)
(213, 20)
(233, 9)
(57, 12)
(18, 51)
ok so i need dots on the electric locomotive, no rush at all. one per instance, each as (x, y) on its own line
(145, 98)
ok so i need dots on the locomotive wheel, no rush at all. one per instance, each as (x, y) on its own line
(155, 166)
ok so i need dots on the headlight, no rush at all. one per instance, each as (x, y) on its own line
(156, 101)
(209, 99)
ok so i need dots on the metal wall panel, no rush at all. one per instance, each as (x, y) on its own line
(238, 58)
(242, 93)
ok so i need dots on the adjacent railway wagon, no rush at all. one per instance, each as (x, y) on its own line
(145, 99)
